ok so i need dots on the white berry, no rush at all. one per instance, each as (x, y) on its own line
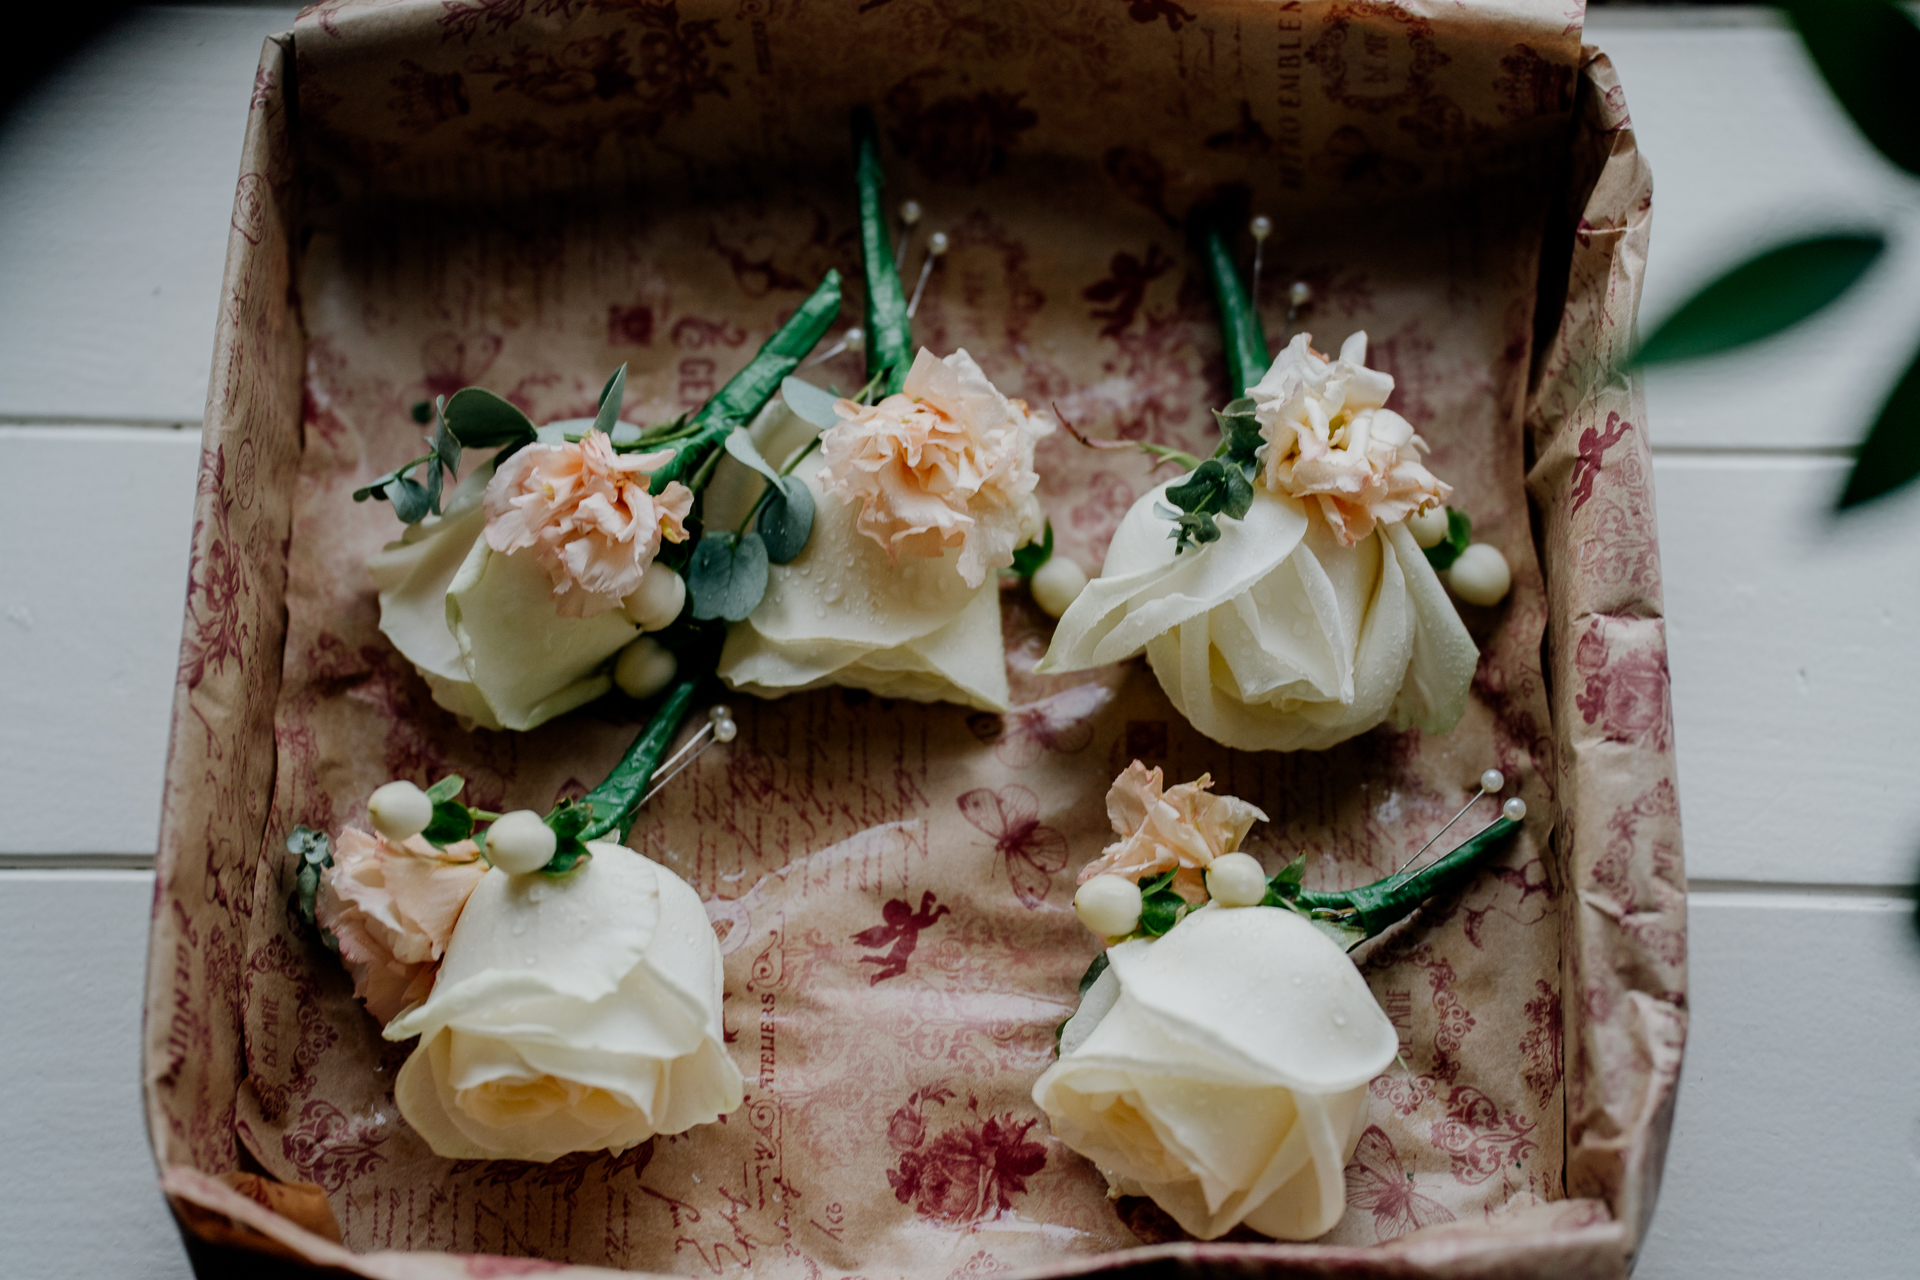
(1108, 905)
(1057, 584)
(399, 810)
(521, 843)
(1236, 880)
(1480, 575)
(656, 602)
(1429, 527)
(645, 668)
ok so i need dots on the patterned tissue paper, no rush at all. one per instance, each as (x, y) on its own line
(524, 195)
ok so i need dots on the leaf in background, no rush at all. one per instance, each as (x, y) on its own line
(446, 789)
(610, 396)
(1762, 296)
(809, 403)
(727, 575)
(1890, 455)
(480, 419)
(1030, 557)
(889, 327)
(1869, 53)
(422, 411)
(1443, 553)
(315, 853)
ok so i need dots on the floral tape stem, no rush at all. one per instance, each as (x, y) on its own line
(748, 391)
(1239, 323)
(888, 327)
(1389, 900)
(616, 800)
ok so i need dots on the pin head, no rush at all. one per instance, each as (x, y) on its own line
(909, 211)
(1299, 293)
(855, 339)
(937, 244)
(1261, 226)
(1514, 809)
(1493, 781)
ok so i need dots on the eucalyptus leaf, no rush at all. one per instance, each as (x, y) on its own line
(1867, 51)
(1890, 455)
(422, 411)
(480, 419)
(409, 498)
(727, 575)
(1762, 296)
(786, 518)
(610, 396)
(809, 403)
(1216, 487)
(1239, 429)
(1443, 553)
(1028, 559)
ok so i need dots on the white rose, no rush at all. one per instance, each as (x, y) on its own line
(843, 613)
(1222, 1070)
(1276, 637)
(481, 627)
(570, 1013)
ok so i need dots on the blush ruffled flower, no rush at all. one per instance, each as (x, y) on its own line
(948, 462)
(1333, 443)
(1180, 827)
(391, 908)
(586, 513)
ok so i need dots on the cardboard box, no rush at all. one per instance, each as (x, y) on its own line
(523, 195)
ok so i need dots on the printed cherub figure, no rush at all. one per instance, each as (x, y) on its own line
(902, 931)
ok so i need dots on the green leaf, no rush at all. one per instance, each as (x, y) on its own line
(610, 397)
(565, 858)
(452, 823)
(315, 853)
(1214, 488)
(422, 411)
(1347, 935)
(480, 419)
(1443, 553)
(809, 403)
(1240, 329)
(785, 518)
(1092, 975)
(1867, 50)
(727, 575)
(446, 446)
(446, 789)
(889, 327)
(1160, 907)
(410, 500)
(1890, 455)
(1762, 296)
(1030, 557)
(1239, 429)
(570, 817)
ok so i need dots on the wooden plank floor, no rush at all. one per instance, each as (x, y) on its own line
(1797, 1147)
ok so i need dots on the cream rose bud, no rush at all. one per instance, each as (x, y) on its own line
(1056, 585)
(399, 810)
(1109, 905)
(1236, 880)
(658, 599)
(1222, 1070)
(521, 842)
(573, 1013)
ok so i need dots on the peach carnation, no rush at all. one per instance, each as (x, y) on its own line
(1332, 441)
(1180, 829)
(391, 908)
(586, 512)
(946, 463)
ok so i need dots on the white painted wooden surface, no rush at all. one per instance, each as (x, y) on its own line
(1797, 1147)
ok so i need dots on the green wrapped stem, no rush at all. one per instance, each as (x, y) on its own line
(889, 328)
(616, 801)
(1240, 327)
(1386, 902)
(749, 390)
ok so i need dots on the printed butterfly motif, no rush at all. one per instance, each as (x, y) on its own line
(1034, 851)
(1376, 1182)
(1060, 723)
